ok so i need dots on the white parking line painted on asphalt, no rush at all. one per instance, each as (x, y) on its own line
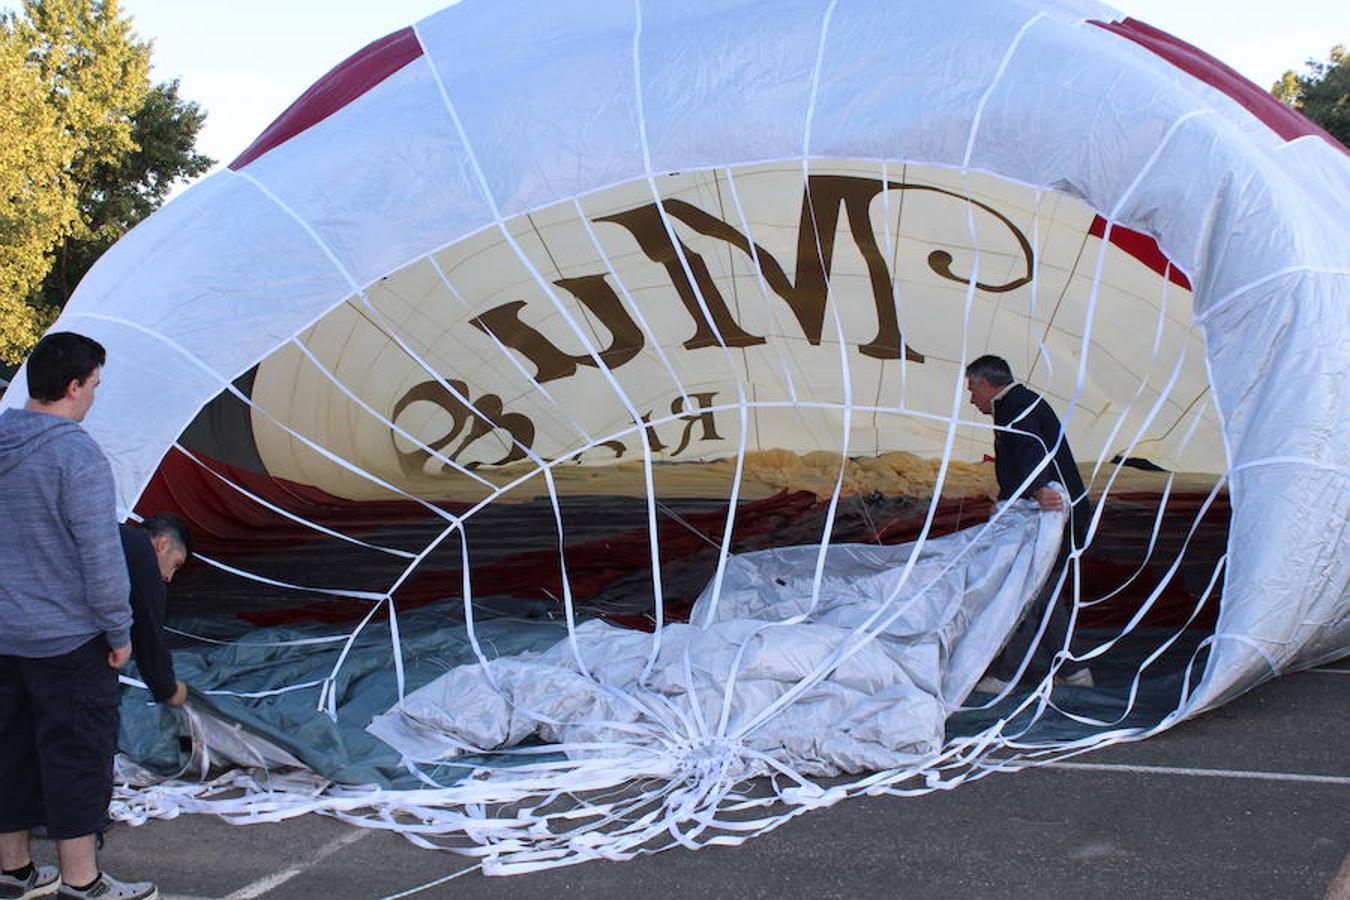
(437, 883)
(272, 882)
(1203, 773)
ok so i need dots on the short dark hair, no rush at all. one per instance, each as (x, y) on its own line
(170, 525)
(58, 359)
(993, 369)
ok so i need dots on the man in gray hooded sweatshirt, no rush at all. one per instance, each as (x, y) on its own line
(65, 628)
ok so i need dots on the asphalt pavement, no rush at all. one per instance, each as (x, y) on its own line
(1248, 801)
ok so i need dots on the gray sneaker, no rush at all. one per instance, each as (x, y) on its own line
(109, 888)
(40, 883)
(1082, 678)
(991, 685)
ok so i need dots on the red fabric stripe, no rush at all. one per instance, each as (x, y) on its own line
(1143, 248)
(348, 80)
(591, 567)
(227, 524)
(1110, 565)
(377, 61)
(1287, 123)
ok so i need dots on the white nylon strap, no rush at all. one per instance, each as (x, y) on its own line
(284, 513)
(690, 798)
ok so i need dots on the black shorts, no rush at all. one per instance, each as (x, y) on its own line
(59, 718)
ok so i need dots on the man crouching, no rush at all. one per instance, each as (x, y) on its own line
(155, 552)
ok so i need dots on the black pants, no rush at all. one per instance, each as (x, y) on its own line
(1004, 666)
(58, 718)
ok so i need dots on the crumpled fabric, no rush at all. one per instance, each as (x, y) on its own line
(876, 663)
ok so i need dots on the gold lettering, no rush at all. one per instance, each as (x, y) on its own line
(619, 448)
(550, 363)
(653, 440)
(824, 200)
(646, 225)
(703, 416)
(481, 419)
(807, 292)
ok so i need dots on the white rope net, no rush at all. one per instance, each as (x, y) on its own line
(661, 742)
(656, 516)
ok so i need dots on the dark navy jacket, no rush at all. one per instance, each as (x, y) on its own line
(149, 602)
(1033, 432)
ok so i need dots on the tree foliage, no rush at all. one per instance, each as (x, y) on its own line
(118, 195)
(1322, 92)
(39, 202)
(90, 148)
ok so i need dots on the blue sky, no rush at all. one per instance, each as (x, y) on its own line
(244, 61)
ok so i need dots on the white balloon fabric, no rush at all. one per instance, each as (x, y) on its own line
(862, 679)
(521, 255)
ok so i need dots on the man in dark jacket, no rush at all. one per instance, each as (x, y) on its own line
(1030, 453)
(65, 628)
(155, 552)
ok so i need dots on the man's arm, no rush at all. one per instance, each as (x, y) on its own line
(1020, 451)
(89, 509)
(1034, 438)
(1047, 428)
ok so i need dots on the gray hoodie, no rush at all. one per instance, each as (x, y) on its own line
(63, 579)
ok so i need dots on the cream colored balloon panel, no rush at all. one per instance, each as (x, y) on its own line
(288, 381)
(403, 414)
(1133, 303)
(779, 292)
(369, 383)
(961, 214)
(1105, 396)
(745, 267)
(627, 308)
(1011, 322)
(500, 318)
(651, 277)
(898, 251)
(774, 366)
(934, 253)
(1058, 236)
(939, 335)
(315, 414)
(683, 315)
(1053, 307)
(1129, 319)
(526, 319)
(1193, 442)
(780, 427)
(451, 349)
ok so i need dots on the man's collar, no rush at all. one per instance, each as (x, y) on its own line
(1003, 393)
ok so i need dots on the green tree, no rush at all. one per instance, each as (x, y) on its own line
(1322, 92)
(96, 70)
(38, 197)
(90, 148)
(120, 194)
(93, 74)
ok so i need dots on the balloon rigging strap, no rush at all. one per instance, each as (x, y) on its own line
(687, 813)
(283, 512)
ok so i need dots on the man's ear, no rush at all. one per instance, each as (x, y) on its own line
(160, 542)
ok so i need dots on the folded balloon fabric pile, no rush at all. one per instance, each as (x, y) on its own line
(829, 660)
